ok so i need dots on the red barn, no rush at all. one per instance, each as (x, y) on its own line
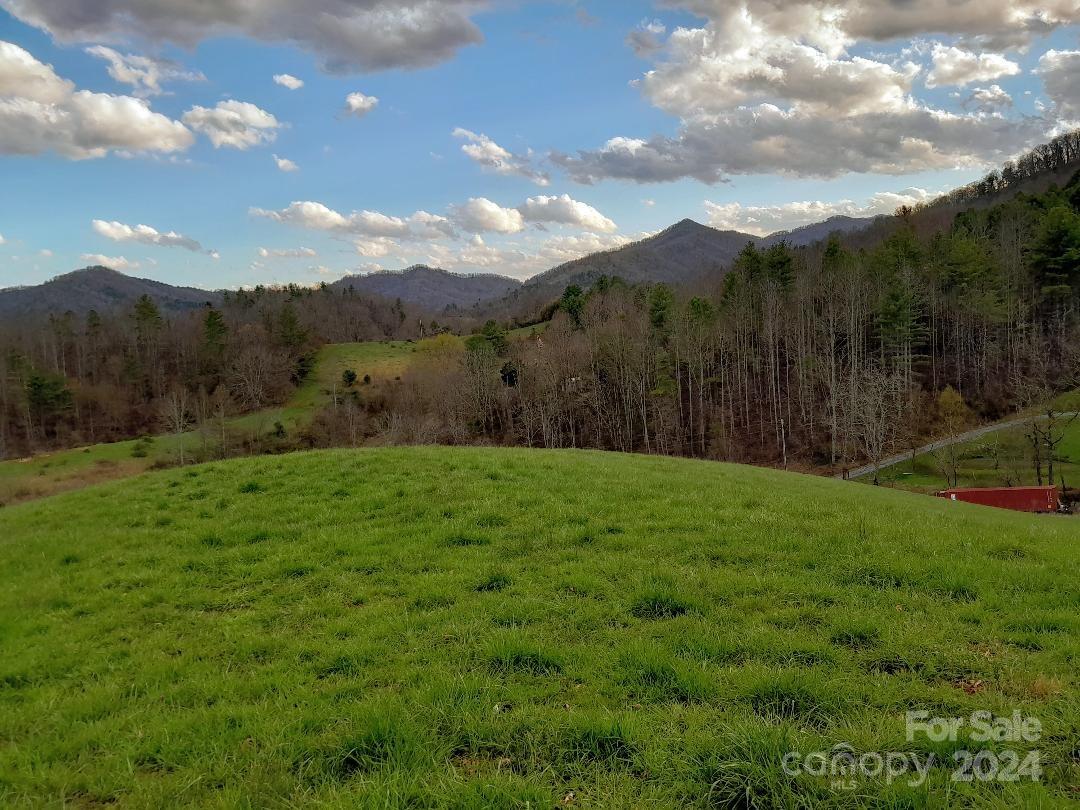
(1020, 499)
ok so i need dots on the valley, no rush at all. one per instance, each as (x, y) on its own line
(549, 405)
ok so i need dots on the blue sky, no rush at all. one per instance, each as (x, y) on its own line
(638, 114)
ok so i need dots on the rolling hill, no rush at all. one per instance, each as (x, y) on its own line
(63, 470)
(97, 288)
(430, 287)
(459, 627)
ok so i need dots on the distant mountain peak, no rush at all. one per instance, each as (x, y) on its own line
(431, 287)
(92, 271)
(101, 288)
(687, 226)
(818, 231)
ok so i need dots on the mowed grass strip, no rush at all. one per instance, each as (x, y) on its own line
(506, 628)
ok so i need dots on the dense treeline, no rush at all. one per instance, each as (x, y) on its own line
(824, 356)
(114, 375)
(1045, 160)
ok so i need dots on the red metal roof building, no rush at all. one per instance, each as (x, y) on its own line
(1020, 499)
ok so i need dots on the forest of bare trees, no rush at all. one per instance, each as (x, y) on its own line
(821, 357)
(71, 380)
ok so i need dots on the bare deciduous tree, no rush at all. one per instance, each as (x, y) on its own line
(176, 416)
(878, 413)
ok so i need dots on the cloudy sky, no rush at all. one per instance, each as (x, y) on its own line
(237, 142)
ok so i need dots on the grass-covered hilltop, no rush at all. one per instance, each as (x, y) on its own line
(504, 628)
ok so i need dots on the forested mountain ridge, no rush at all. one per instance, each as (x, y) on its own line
(98, 288)
(676, 255)
(684, 254)
(680, 254)
(818, 231)
(124, 371)
(821, 356)
(430, 287)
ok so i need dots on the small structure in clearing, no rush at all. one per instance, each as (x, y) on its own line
(1020, 499)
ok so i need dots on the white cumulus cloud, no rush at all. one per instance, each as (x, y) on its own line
(376, 247)
(560, 249)
(235, 124)
(645, 40)
(768, 87)
(988, 99)
(834, 25)
(956, 66)
(146, 235)
(144, 73)
(483, 151)
(481, 215)
(762, 220)
(348, 35)
(316, 216)
(287, 253)
(285, 165)
(566, 211)
(288, 82)
(358, 105)
(41, 112)
(1060, 71)
(119, 263)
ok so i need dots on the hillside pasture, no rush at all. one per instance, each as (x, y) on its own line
(507, 628)
(998, 459)
(64, 470)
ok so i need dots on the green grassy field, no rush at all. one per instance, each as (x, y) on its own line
(379, 361)
(993, 460)
(49, 473)
(510, 628)
(63, 470)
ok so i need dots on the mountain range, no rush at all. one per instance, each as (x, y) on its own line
(682, 254)
(101, 289)
(431, 288)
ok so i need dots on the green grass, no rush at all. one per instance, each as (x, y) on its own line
(379, 361)
(63, 470)
(993, 460)
(527, 332)
(509, 628)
